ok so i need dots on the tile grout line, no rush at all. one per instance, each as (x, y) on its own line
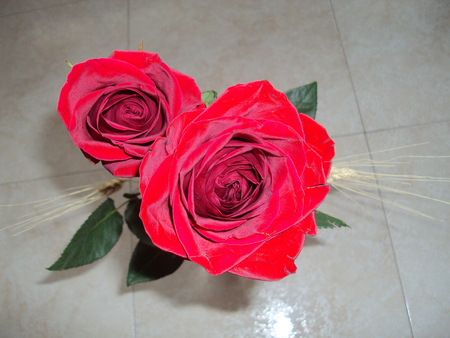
(370, 155)
(51, 177)
(41, 8)
(133, 290)
(128, 24)
(392, 128)
(408, 126)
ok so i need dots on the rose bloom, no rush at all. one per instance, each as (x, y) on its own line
(233, 187)
(114, 108)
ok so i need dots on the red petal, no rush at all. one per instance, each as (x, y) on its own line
(308, 224)
(275, 259)
(152, 161)
(82, 138)
(191, 97)
(314, 196)
(156, 212)
(127, 168)
(317, 137)
(176, 129)
(139, 59)
(255, 100)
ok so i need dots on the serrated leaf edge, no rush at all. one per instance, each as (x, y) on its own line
(331, 225)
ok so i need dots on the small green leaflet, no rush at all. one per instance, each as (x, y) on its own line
(134, 221)
(325, 221)
(304, 98)
(150, 263)
(94, 239)
(209, 97)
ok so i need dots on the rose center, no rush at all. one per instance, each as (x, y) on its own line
(233, 187)
(129, 109)
(125, 114)
(133, 111)
(232, 191)
(230, 184)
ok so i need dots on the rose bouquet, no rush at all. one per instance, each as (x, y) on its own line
(230, 182)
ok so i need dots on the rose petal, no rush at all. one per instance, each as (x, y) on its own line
(156, 212)
(317, 137)
(151, 162)
(191, 97)
(314, 196)
(257, 101)
(308, 224)
(176, 128)
(80, 135)
(275, 259)
(126, 168)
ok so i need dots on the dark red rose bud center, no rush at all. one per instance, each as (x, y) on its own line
(230, 184)
(232, 192)
(125, 114)
(232, 187)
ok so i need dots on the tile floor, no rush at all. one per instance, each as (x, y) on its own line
(383, 69)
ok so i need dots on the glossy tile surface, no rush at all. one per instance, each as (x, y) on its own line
(421, 243)
(381, 67)
(223, 43)
(397, 53)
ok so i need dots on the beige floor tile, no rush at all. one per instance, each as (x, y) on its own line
(34, 47)
(346, 285)
(421, 244)
(90, 301)
(398, 55)
(289, 43)
(9, 7)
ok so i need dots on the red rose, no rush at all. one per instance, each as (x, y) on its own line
(233, 187)
(114, 108)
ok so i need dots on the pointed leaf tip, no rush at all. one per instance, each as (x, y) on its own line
(325, 221)
(304, 98)
(96, 237)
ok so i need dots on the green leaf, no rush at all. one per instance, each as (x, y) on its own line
(134, 221)
(131, 196)
(94, 239)
(325, 221)
(304, 98)
(209, 97)
(150, 263)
